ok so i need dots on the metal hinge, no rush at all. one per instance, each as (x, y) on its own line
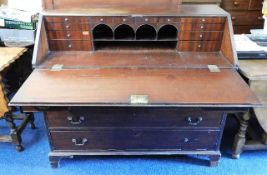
(57, 67)
(139, 99)
(214, 68)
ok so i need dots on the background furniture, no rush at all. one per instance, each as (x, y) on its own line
(255, 71)
(9, 58)
(246, 14)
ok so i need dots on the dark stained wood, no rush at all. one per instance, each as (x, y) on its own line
(201, 27)
(227, 46)
(69, 35)
(134, 139)
(133, 117)
(203, 20)
(98, 87)
(70, 45)
(247, 18)
(157, 59)
(199, 46)
(80, 4)
(235, 4)
(200, 36)
(67, 26)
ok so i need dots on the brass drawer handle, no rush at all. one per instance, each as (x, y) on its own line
(236, 3)
(194, 122)
(260, 18)
(76, 121)
(80, 142)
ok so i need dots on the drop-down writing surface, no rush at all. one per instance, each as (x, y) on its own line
(198, 87)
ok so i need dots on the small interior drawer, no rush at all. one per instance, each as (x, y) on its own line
(68, 19)
(67, 26)
(101, 19)
(203, 20)
(199, 46)
(133, 117)
(123, 20)
(70, 45)
(71, 35)
(146, 19)
(134, 139)
(201, 27)
(167, 20)
(200, 36)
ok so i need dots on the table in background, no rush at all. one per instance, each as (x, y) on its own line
(255, 71)
(8, 58)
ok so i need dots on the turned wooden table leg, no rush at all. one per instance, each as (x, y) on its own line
(240, 138)
(15, 136)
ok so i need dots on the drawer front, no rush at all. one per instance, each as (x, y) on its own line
(203, 20)
(71, 35)
(146, 20)
(70, 45)
(247, 18)
(166, 20)
(68, 19)
(127, 139)
(235, 4)
(124, 20)
(200, 36)
(67, 26)
(202, 46)
(201, 27)
(137, 117)
(102, 19)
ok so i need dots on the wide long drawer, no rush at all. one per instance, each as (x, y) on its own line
(135, 139)
(133, 117)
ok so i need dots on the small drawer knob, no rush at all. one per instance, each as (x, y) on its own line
(124, 19)
(194, 122)
(199, 46)
(70, 46)
(68, 35)
(236, 3)
(101, 19)
(203, 20)
(66, 19)
(76, 120)
(80, 142)
(200, 36)
(233, 18)
(169, 20)
(67, 26)
(202, 27)
(146, 19)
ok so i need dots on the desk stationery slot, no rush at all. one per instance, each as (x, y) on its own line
(124, 32)
(146, 32)
(102, 31)
(167, 32)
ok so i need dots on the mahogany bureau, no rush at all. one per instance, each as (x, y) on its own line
(134, 78)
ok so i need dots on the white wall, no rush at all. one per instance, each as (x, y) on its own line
(27, 5)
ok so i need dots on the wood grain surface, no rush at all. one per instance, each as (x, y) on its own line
(196, 87)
